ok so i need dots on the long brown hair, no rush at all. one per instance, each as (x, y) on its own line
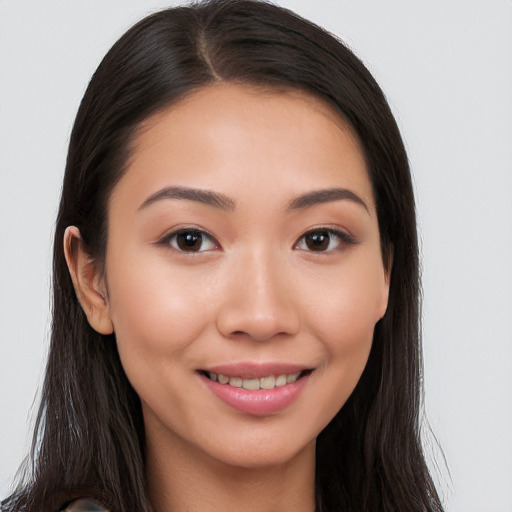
(89, 435)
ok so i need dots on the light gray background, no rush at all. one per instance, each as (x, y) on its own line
(446, 67)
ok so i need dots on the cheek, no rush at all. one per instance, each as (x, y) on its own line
(346, 328)
(343, 316)
(154, 310)
(345, 312)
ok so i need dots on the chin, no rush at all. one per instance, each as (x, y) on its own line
(259, 455)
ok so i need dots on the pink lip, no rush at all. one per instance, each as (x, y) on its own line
(262, 402)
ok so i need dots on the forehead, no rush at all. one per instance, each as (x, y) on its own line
(232, 137)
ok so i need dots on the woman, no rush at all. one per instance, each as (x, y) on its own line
(235, 317)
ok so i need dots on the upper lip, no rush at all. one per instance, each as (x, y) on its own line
(250, 370)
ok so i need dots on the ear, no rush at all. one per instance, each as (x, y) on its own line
(388, 266)
(88, 282)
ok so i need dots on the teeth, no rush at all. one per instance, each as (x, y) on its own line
(292, 377)
(251, 384)
(222, 378)
(281, 381)
(268, 382)
(235, 381)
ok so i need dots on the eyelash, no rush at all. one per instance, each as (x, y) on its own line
(172, 240)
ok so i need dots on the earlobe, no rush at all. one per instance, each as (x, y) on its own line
(88, 283)
(387, 279)
(385, 297)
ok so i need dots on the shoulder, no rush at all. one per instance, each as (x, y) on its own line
(85, 505)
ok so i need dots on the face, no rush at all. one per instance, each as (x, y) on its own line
(243, 272)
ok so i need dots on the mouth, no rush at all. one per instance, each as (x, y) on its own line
(257, 389)
(267, 382)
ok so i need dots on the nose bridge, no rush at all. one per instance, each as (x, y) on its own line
(259, 298)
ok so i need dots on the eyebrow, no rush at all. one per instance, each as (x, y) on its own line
(223, 202)
(208, 197)
(325, 196)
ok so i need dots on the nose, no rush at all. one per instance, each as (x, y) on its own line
(259, 300)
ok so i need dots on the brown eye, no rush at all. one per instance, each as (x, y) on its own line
(191, 240)
(317, 240)
(324, 240)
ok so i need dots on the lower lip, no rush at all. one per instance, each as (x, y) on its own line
(261, 402)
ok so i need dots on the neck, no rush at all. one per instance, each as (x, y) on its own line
(181, 478)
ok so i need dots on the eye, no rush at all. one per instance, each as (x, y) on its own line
(323, 240)
(190, 240)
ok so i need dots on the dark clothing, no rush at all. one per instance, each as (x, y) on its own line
(85, 505)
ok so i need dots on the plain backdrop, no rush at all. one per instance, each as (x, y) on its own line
(446, 68)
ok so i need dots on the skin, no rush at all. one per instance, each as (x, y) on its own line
(254, 292)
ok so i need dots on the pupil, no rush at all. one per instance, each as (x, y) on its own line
(318, 241)
(189, 241)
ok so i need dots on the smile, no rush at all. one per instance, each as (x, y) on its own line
(256, 392)
(255, 383)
